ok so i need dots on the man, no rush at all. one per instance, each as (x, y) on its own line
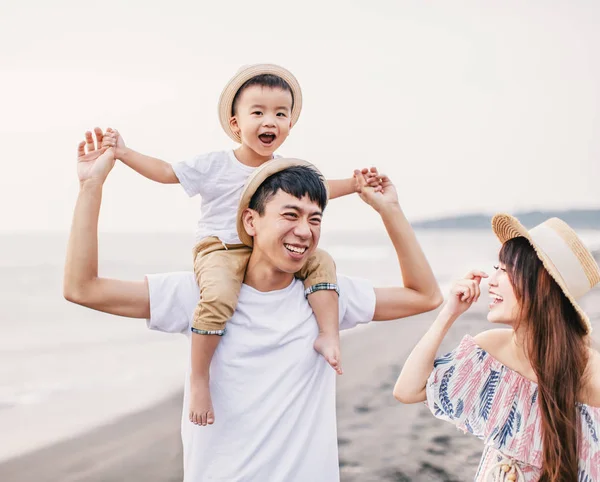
(274, 396)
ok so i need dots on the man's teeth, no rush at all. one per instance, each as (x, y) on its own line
(295, 249)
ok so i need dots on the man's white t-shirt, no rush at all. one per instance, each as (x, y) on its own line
(273, 395)
(219, 178)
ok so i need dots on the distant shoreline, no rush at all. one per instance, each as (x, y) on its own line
(576, 218)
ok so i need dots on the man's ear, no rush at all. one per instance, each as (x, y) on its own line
(249, 217)
(233, 123)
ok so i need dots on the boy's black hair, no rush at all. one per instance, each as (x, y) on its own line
(270, 81)
(297, 181)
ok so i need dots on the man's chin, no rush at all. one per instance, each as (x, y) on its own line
(291, 266)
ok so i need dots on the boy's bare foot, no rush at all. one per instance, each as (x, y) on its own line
(201, 409)
(329, 346)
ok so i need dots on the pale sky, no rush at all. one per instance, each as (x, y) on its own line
(491, 106)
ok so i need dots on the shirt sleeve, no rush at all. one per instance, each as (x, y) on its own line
(357, 301)
(194, 174)
(173, 299)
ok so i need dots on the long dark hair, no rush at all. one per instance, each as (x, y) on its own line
(557, 347)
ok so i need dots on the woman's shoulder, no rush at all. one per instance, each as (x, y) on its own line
(591, 393)
(493, 341)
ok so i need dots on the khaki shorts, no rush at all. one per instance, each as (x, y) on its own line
(220, 269)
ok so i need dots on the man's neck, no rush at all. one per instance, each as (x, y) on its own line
(262, 276)
(248, 157)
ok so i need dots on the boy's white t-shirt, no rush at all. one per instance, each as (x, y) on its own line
(219, 178)
(273, 395)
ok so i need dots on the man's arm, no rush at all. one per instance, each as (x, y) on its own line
(150, 167)
(81, 283)
(420, 292)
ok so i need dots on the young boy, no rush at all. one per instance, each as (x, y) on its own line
(257, 108)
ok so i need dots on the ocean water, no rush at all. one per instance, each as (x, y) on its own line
(66, 369)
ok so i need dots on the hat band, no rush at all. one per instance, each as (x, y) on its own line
(562, 257)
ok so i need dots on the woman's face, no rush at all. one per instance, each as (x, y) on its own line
(504, 307)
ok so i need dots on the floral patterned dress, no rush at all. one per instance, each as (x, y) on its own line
(480, 395)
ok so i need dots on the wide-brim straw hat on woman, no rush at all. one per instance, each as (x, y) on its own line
(240, 78)
(257, 178)
(563, 254)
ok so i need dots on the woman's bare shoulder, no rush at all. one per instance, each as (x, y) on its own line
(592, 391)
(494, 341)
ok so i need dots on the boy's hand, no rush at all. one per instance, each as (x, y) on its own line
(94, 161)
(112, 138)
(372, 179)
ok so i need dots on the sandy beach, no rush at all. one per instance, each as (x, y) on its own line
(379, 439)
(120, 421)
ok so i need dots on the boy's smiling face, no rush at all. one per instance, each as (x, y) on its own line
(263, 118)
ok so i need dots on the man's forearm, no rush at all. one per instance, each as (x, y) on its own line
(150, 167)
(341, 187)
(81, 264)
(411, 384)
(416, 272)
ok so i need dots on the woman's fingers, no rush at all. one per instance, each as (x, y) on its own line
(476, 273)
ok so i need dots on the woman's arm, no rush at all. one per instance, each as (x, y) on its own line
(410, 386)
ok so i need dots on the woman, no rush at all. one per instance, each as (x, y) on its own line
(531, 392)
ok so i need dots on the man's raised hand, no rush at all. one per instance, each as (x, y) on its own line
(379, 197)
(94, 161)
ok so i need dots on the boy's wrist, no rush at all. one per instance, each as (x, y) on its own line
(122, 154)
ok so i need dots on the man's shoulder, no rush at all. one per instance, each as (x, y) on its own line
(178, 284)
(173, 297)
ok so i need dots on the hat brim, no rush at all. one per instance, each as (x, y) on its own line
(245, 74)
(507, 227)
(256, 179)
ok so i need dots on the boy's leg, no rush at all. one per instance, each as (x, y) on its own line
(320, 281)
(219, 273)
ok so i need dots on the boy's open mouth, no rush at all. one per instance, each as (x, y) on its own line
(267, 138)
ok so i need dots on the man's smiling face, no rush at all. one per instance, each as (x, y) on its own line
(287, 232)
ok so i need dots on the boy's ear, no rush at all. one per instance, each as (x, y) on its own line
(249, 217)
(233, 123)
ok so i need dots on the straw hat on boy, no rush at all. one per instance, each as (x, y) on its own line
(241, 77)
(562, 253)
(256, 179)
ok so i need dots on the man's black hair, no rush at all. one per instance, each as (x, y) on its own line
(297, 181)
(270, 81)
